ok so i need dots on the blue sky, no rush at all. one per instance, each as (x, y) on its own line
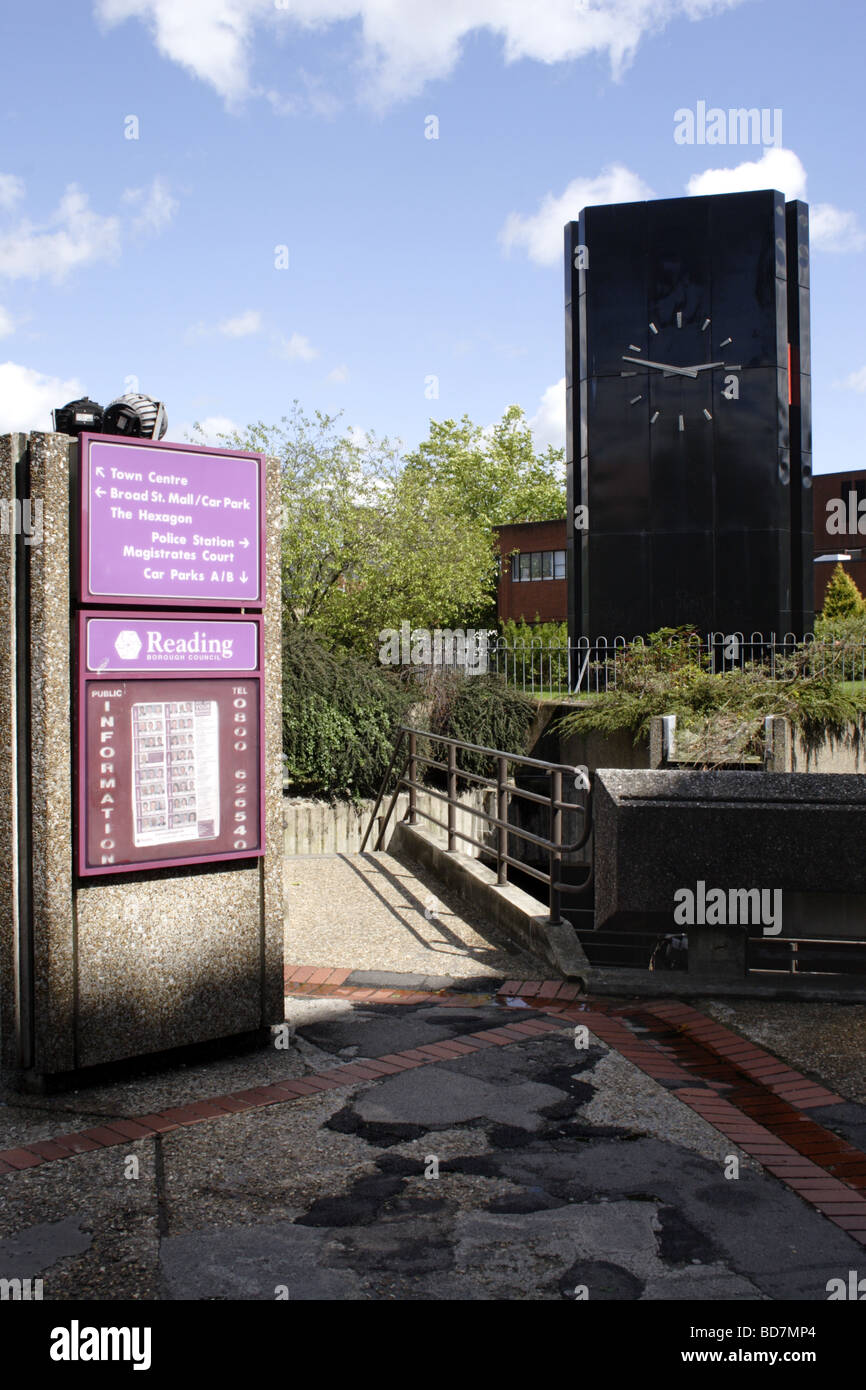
(414, 264)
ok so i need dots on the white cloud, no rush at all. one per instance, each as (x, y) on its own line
(11, 190)
(855, 382)
(541, 233)
(831, 229)
(242, 326)
(297, 348)
(211, 427)
(402, 45)
(548, 422)
(156, 207)
(7, 324)
(210, 38)
(27, 397)
(340, 373)
(74, 235)
(776, 168)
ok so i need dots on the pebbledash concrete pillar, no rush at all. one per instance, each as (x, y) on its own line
(141, 787)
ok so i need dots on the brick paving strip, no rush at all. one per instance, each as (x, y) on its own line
(681, 1045)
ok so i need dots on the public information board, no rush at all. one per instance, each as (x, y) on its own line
(170, 772)
(170, 524)
(170, 705)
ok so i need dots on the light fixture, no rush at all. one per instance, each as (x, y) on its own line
(77, 416)
(136, 416)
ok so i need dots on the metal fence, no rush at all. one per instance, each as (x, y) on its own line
(586, 668)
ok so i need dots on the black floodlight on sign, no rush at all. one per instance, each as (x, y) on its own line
(137, 417)
(78, 416)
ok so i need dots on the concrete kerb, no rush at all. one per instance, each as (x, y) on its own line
(508, 908)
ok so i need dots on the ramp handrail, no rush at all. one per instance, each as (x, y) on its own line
(505, 791)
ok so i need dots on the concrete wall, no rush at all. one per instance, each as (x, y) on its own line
(140, 962)
(320, 827)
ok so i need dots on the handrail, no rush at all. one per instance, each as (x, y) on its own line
(552, 844)
(398, 740)
(492, 752)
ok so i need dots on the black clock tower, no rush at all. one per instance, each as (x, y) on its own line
(688, 416)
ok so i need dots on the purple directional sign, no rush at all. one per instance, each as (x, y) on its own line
(170, 523)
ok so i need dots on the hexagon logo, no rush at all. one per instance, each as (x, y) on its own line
(127, 645)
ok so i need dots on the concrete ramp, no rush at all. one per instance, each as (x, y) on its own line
(381, 913)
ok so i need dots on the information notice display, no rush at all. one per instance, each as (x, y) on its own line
(171, 772)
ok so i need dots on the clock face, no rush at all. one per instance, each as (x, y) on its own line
(678, 366)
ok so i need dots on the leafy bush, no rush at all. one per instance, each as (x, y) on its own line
(537, 634)
(670, 675)
(536, 655)
(340, 715)
(478, 709)
(842, 598)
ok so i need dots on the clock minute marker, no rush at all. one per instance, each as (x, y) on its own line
(679, 319)
(653, 328)
(707, 415)
(634, 400)
(654, 417)
(705, 324)
(725, 343)
(634, 347)
(682, 424)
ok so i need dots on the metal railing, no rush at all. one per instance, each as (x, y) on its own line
(806, 955)
(582, 667)
(506, 790)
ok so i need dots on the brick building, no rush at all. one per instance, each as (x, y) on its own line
(840, 527)
(532, 577)
(533, 583)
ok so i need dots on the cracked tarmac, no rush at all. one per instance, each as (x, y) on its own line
(528, 1172)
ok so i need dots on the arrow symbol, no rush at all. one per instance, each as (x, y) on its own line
(100, 492)
(245, 543)
(100, 472)
(244, 577)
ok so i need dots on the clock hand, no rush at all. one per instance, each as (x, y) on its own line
(662, 366)
(708, 366)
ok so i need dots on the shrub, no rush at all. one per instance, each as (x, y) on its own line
(669, 675)
(842, 599)
(536, 653)
(479, 709)
(340, 714)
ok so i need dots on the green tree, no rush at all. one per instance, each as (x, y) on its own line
(334, 495)
(370, 541)
(496, 477)
(842, 599)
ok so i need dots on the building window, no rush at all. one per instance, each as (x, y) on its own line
(538, 564)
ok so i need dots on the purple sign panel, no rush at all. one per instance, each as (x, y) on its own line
(151, 642)
(170, 772)
(171, 523)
